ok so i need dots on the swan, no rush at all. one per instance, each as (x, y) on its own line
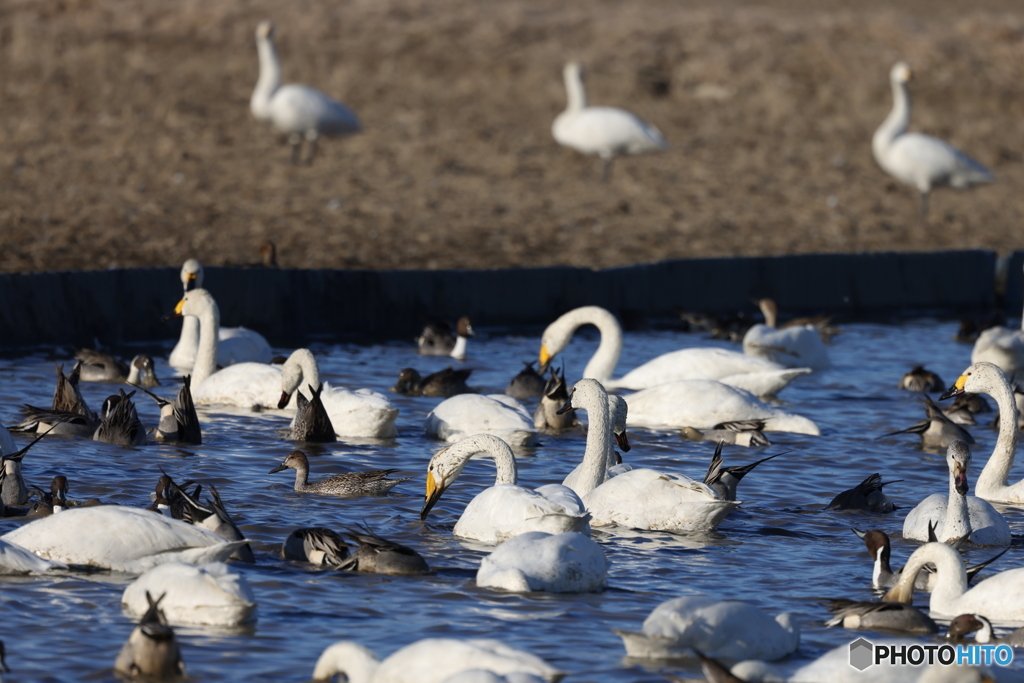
(298, 111)
(916, 159)
(482, 676)
(151, 651)
(957, 516)
(17, 560)
(792, 346)
(986, 378)
(569, 562)
(431, 660)
(618, 411)
(1002, 346)
(756, 375)
(505, 509)
(209, 594)
(639, 498)
(497, 414)
(234, 344)
(998, 597)
(605, 131)
(725, 629)
(119, 538)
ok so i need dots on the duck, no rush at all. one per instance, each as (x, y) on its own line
(725, 629)
(527, 384)
(13, 489)
(179, 421)
(436, 338)
(956, 515)
(757, 375)
(444, 383)
(298, 111)
(998, 597)
(607, 132)
(212, 517)
(536, 561)
(641, 498)
(725, 480)
(748, 433)
(373, 554)
(234, 344)
(919, 379)
(506, 509)
(460, 416)
(53, 501)
(69, 414)
(792, 346)
(431, 660)
(866, 495)
(919, 160)
(965, 624)
(874, 614)
(937, 430)
(211, 594)
(548, 415)
(987, 378)
(312, 423)
(119, 422)
(119, 538)
(152, 648)
(98, 366)
(368, 483)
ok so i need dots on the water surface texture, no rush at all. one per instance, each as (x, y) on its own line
(780, 550)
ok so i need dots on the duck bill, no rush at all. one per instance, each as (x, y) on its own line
(622, 440)
(544, 358)
(280, 467)
(956, 389)
(283, 401)
(433, 495)
(177, 311)
(567, 407)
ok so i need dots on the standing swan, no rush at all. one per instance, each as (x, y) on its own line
(917, 159)
(296, 110)
(605, 131)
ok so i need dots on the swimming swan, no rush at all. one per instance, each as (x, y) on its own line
(234, 344)
(916, 159)
(209, 594)
(17, 560)
(431, 660)
(640, 498)
(794, 346)
(298, 111)
(956, 515)
(986, 378)
(569, 562)
(497, 414)
(756, 375)
(605, 131)
(505, 509)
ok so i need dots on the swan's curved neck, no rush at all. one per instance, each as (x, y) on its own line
(206, 353)
(595, 457)
(896, 122)
(575, 90)
(269, 79)
(950, 576)
(189, 333)
(309, 372)
(602, 364)
(997, 469)
(356, 662)
(958, 520)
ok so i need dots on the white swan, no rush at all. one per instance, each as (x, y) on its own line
(795, 346)
(757, 375)
(497, 414)
(299, 111)
(505, 509)
(998, 597)
(640, 498)
(119, 538)
(618, 412)
(569, 562)
(986, 378)
(431, 660)
(17, 560)
(1001, 346)
(916, 159)
(724, 629)
(483, 676)
(957, 515)
(234, 344)
(211, 594)
(605, 131)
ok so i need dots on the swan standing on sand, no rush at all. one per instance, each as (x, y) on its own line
(505, 509)
(957, 516)
(756, 375)
(298, 111)
(234, 344)
(916, 159)
(605, 131)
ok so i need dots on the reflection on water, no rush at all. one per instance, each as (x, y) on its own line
(780, 550)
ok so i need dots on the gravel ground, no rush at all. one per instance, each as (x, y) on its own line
(126, 138)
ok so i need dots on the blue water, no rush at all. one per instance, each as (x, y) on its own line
(780, 550)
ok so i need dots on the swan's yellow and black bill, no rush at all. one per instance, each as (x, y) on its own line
(177, 311)
(544, 357)
(433, 495)
(283, 401)
(956, 389)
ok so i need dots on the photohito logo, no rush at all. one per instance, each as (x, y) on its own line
(864, 653)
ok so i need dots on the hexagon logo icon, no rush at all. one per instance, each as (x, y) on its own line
(862, 654)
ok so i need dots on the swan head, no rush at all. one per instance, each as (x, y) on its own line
(901, 73)
(958, 458)
(265, 30)
(292, 374)
(353, 661)
(979, 378)
(192, 274)
(196, 302)
(295, 460)
(444, 468)
(586, 395)
(619, 411)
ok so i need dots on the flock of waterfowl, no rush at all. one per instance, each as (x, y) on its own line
(554, 537)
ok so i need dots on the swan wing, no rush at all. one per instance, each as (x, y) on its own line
(433, 660)
(794, 347)
(685, 364)
(297, 107)
(607, 131)
(210, 594)
(465, 414)
(241, 345)
(17, 560)
(360, 413)
(506, 510)
(931, 510)
(537, 561)
(247, 385)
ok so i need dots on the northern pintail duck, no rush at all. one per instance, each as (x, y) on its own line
(68, 414)
(919, 379)
(53, 501)
(13, 489)
(152, 648)
(937, 430)
(179, 421)
(872, 615)
(527, 384)
(437, 339)
(119, 422)
(322, 546)
(167, 498)
(368, 483)
(312, 423)
(866, 495)
(724, 480)
(739, 432)
(212, 516)
(965, 624)
(98, 366)
(549, 415)
(444, 383)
